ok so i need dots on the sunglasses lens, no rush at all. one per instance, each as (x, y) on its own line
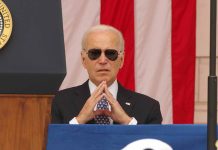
(94, 54)
(111, 54)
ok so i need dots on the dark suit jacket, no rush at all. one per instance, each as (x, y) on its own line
(68, 103)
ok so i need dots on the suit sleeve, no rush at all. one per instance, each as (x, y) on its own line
(155, 116)
(56, 117)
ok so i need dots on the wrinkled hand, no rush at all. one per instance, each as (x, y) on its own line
(87, 113)
(117, 113)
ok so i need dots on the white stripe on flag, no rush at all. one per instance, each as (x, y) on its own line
(78, 16)
(153, 52)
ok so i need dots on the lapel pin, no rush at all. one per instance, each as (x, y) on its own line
(127, 103)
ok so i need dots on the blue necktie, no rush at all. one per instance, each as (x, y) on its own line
(102, 119)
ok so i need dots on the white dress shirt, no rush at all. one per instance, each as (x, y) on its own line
(113, 88)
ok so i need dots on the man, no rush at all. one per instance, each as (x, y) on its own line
(102, 56)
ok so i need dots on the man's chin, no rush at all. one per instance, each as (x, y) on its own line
(103, 79)
(108, 81)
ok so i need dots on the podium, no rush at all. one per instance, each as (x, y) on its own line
(116, 137)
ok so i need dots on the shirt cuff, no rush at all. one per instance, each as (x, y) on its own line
(133, 121)
(73, 121)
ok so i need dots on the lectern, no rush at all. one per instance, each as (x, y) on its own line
(116, 137)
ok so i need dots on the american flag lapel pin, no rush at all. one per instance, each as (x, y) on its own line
(127, 103)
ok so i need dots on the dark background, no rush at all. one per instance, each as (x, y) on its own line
(33, 60)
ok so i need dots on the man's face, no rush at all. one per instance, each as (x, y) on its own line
(102, 69)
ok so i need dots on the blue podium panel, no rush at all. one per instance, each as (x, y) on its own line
(116, 137)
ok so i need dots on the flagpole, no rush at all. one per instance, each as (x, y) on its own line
(212, 82)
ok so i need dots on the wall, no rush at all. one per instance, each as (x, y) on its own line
(202, 60)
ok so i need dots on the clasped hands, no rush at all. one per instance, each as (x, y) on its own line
(116, 113)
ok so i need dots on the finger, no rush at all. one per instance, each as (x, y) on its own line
(100, 112)
(108, 92)
(98, 87)
(110, 99)
(98, 98)
(99, 90)
(107, 113)
(91, 102)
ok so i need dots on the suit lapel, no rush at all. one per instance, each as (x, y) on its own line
(125, 99)
(82, 93)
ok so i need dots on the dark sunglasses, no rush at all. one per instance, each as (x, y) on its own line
(95, 53)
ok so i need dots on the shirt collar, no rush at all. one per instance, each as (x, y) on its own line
(113, 88)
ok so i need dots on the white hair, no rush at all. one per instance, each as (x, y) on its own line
(102, 27)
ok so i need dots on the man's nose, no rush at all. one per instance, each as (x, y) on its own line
(102, 58)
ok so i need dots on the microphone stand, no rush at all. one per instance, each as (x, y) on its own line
(212, 83)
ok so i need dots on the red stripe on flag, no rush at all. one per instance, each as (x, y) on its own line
(183, 59)
(120, 14)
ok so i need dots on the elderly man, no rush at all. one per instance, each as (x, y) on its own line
(102, 99)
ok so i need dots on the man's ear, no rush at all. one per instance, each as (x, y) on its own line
(122, 60)
(83, 58)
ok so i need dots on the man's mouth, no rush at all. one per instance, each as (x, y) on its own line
(103, 70)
